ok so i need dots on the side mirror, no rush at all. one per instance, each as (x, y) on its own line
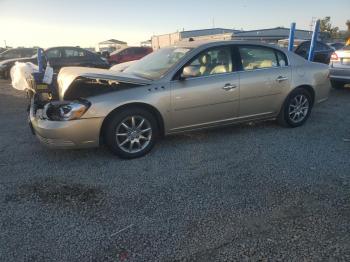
(190, 71)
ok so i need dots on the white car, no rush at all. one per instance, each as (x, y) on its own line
(340, 67)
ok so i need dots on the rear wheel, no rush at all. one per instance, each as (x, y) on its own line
(131, 133)
(296, 109)
(337, 84)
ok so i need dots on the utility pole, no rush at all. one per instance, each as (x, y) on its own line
(312, 23)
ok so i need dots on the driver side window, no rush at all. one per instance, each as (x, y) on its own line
(212, 62)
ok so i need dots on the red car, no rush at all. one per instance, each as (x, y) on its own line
(128, 54)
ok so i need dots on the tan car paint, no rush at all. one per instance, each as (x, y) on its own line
(195, 103)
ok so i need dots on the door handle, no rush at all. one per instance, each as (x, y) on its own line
(281, 79)
(229, 87)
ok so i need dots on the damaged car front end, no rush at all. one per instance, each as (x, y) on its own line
(60, 116)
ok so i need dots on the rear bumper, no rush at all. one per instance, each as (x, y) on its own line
(82, 133)
(340, 74)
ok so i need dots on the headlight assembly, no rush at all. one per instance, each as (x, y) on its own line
(65, 111)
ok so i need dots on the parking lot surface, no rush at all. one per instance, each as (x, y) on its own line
(242, 193)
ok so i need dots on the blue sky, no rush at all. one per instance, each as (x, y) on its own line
(77, 22)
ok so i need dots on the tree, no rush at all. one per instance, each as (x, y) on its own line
(327, 29)
(347, 34)
(348, 25)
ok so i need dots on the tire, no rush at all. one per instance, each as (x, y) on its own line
(131, 133)
(337, 84)
(296, 109)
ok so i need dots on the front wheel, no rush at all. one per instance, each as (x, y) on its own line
(296, 109)
(131, 133)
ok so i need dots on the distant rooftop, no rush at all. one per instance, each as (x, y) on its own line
(204, 32)
(276, 31)
(113, 41)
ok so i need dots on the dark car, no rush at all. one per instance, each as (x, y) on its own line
(128, 54)
(17, 53)
(337, 46)
(323, 52)
(2, 49)
(59, 57)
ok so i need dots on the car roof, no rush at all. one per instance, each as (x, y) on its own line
(213, 43)
(64, 47)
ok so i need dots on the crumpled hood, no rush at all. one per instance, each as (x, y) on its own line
(68, 75)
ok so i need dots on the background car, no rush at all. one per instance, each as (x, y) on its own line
(59, 57)
(128, 54)
(337, 46)
(340, 67)
(18, 53)
(323, 51)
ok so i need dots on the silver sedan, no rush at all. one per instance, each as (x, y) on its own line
(340, 67)
(186, 87)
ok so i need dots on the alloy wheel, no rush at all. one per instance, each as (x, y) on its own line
(133, 134)
(298, 108)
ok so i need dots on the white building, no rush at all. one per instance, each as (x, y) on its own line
(111, 45)
(159, 41)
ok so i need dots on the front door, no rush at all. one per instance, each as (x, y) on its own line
(264, 78)
(211, 96)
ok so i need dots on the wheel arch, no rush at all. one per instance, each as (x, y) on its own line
(308, 88)
(144, 106)
(311, 91)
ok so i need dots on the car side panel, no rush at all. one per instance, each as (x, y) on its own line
(315, 75)
(260, 91)
(156, 96)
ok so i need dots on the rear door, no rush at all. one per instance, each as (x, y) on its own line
(264, 78)
(211, 97)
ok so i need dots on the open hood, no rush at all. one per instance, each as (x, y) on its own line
(94, 80)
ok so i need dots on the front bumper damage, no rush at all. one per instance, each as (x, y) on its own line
(73, 84)
(81, 133)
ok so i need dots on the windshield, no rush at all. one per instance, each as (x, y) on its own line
(155, 65)
(118, 51)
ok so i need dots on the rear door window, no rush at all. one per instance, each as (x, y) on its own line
(257, 57)
(53, 53)
(70, 53)
(281, 58)
(322, 47)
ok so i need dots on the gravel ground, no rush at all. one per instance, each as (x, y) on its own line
(254, 192)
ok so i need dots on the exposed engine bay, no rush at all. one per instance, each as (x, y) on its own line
(85, 87)
(66, 98)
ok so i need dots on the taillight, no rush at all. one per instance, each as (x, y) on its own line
(334, 57)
